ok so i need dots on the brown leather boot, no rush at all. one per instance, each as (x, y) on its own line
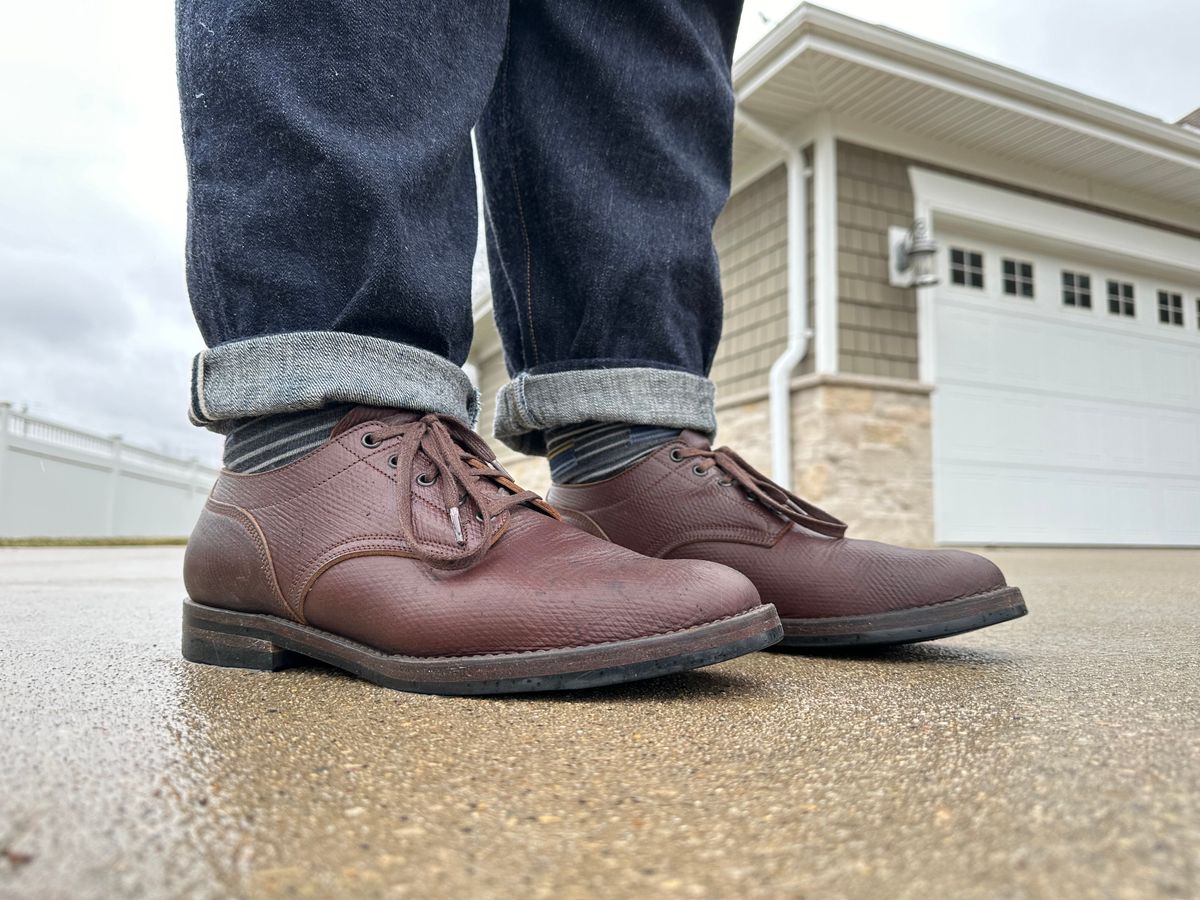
(688, 501)
(402, 552)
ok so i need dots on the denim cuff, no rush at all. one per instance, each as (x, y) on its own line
(309, 369)
(529, 404)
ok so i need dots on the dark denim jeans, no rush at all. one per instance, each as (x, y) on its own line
(332, 205)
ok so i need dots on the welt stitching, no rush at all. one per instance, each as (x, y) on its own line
(598, 643)
(994, 587)
(375, 652)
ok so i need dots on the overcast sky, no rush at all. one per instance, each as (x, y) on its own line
(94, 324)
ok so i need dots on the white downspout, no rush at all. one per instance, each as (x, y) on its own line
(779, 392)
(825, 245)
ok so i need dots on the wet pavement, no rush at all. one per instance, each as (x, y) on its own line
(1054, 756)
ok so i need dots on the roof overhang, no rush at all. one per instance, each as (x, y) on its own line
(909, 93)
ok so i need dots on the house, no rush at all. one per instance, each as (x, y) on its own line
(1046, 389)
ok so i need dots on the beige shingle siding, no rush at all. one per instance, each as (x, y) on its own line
(751, 240)
(877, 332)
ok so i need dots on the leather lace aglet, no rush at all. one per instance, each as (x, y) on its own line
(457, 523)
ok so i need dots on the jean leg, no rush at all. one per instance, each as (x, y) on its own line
(331, 202)
(606, 155)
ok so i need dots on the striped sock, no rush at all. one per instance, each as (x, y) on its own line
(594, 450)
(268, 442)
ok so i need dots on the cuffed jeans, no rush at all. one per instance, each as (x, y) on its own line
(332, 205)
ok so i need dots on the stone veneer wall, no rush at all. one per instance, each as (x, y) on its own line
(861, 451)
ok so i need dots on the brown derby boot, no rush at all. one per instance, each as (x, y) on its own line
(688, 501)
(401, 551)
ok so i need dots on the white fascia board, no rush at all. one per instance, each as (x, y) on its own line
(812, 27)
(966, 67)
(799, 136)
(947, 199)
(1186, 156)
(747, 175)
(771, 44)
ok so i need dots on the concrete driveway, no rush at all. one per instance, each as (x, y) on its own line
(1057, 756)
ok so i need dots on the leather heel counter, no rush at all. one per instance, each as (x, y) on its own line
(227, 564)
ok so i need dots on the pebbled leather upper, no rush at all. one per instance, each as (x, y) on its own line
(319, 542)
(666, 506)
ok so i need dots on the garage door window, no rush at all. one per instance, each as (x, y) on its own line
(1170, 308)
(966, 267)
(1077, 289)
(1018, 277)
(1120, 298)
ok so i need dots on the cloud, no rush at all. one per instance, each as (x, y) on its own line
(95, 327)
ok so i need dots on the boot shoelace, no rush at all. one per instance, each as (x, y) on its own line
(466, 468)
(759, 487)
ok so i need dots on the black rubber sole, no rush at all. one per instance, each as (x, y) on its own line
(250, 641)
(907, 626)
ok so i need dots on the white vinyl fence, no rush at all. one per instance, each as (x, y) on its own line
(57, 481)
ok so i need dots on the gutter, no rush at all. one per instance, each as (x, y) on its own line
(779, 394)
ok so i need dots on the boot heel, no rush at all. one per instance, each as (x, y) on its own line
(220, 648)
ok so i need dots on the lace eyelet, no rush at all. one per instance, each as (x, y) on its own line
(676, 456)
(751, 498)
(478, 517)
(696, 470)
(368, 441)
(393, 460)
(425, 481)
(725, 483)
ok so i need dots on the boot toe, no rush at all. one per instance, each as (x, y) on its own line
(698, 591)
(939, 576)
(904, 579)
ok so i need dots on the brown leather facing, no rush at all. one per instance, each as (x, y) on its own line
(321, 541)
(687, 501)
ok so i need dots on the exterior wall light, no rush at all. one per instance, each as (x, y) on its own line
(911, 256)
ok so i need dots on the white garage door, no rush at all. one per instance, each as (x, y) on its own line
(1067, 408)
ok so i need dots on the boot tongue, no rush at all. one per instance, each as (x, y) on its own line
(361, 414)
(695, 439)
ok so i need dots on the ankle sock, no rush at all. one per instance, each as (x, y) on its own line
(268, 442)
(590, 451)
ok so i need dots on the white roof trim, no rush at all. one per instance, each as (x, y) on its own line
(812, 27)
(912, 73)
(1126, 161)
